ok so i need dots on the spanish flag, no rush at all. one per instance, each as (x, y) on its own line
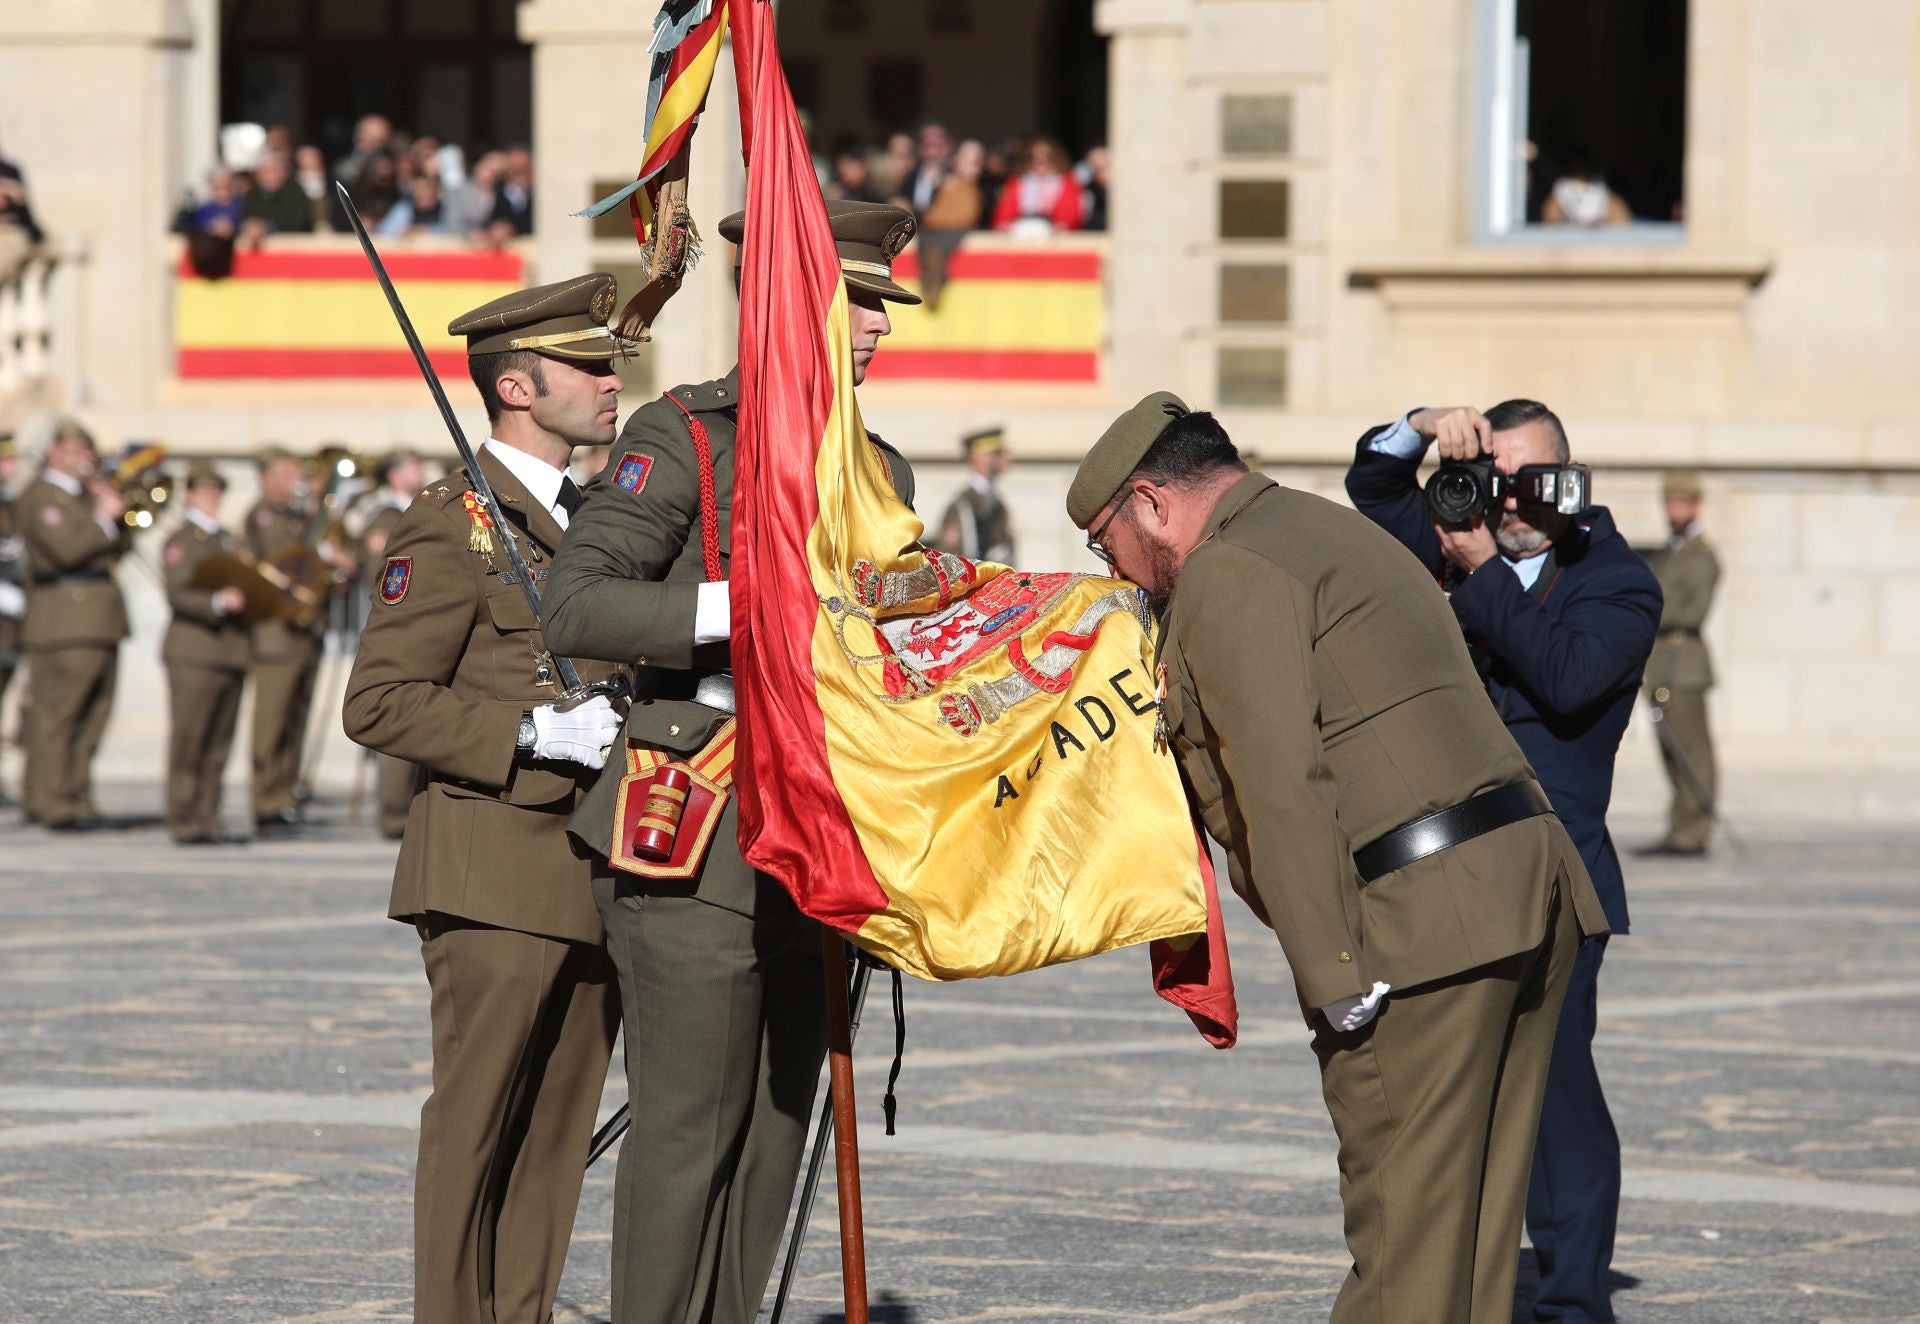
(954, 763)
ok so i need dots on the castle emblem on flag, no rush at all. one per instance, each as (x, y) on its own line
(395, 579)
(632, 473)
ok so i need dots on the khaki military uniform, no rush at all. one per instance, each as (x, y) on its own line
(1319, 695)
(74, 624)
(720, 977)
(12, 571)
(400, 780)
(978, 526)
(206, 656)
(524, 1005)
(286, 662)
(1678, 676)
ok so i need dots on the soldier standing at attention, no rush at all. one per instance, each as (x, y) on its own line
(75, 622)
(206, 650)
(977, 525)
(720, 976)
(13, 598)
(1329, 723)
(1680, 671)
(453, 675)
(400, 475)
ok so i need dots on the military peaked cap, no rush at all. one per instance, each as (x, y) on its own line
(1118, 453)
(987, 439)
(205, 471)
(567, 319)
(869, 236)
(1682, 483)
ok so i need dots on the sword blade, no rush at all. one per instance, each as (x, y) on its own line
(482, 489)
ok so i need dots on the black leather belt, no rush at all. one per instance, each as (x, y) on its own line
(1449, 827)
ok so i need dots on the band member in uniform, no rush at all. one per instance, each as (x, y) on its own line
(453, 675)
(75, 621)
(206, 650)
(720, 975)
(400, 475)
(1329, 723)
(977, 525)
(1680, 671)
(13, 597)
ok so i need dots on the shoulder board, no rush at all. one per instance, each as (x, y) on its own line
(446, 491)
(706, 397)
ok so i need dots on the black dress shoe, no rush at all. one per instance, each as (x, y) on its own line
(1667, 850)
(79, 823)
(287, 820)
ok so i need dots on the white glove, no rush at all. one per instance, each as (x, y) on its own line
(1350, 1014)
(579, 735)
(12, 601)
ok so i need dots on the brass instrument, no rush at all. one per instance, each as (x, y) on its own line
(141, 482)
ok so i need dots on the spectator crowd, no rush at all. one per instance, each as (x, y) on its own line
(404, 185)
(1011, 184)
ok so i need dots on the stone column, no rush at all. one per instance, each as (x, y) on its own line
(95, 94)
(1153, 291)
(590, 67)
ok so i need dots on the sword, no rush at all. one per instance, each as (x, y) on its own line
(482, 489)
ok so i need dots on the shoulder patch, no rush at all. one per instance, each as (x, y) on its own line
(263, 517)
(52, 514)
(395, 579)
(174, 553)
(632, 473)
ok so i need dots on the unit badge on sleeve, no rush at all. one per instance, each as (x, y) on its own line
(632, 473)
(395, 579)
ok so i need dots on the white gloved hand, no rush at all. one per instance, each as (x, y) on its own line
(1350, 1014)
(579, 735)
(12, 601)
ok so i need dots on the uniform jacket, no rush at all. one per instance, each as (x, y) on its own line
(271, 529)
(198, 636)
(447, 665)
(978, 527)
(12, 571)
(626, 584)
(1688, 575)
(1561, 662)
(383, 520)
(72, 596)
(1319, 695)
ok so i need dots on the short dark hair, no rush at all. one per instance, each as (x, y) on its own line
(1191, 448)
(1510, 414)
(486, 370)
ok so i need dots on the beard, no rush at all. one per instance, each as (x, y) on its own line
(1518, 542)
(1164, 567)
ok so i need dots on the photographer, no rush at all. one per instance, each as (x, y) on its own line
(1561, 616)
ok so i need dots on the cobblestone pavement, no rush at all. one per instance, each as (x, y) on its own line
(211, 1063)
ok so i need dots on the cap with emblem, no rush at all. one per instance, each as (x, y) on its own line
(869, 236)
(1682, 483)
(1118, 453)
(202, 473)
(566, 320)
(983, 441)
(274, 454)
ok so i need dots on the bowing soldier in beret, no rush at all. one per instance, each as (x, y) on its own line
(1329, 724)
(206, 650)
(70, 525)
(455, 675)
(720, 974)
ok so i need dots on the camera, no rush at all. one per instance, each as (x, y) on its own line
(1463, 490)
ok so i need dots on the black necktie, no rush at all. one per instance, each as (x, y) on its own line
(570, 497)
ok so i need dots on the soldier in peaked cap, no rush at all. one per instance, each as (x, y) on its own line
(13, 598)
(1680, 671)
(719, 972)
(454, 675)
(977, 524)
(206, 651)
(1326, 718)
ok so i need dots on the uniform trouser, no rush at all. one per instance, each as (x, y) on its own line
(205, 704)
(282, 698)
(523, 1030)
(400, 781)
(69, 697)
(1684, 722)
(1436, 1102)
(726, 1025)
(1574, 1198)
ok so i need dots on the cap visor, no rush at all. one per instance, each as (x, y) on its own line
(881, 286)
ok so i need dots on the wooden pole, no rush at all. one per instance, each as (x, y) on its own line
(846, 1141)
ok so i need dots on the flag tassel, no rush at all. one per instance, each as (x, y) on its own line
(846, 1142)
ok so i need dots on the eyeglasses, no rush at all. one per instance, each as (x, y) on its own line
(1093, 539)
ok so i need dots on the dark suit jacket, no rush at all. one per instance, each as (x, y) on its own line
(1562, 663)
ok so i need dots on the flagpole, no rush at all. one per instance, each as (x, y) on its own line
(846, 1142)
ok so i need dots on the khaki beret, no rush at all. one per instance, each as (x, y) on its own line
(869, 236)
(1118, 453)
(201, 472)
(1682, 483)
(567, 319)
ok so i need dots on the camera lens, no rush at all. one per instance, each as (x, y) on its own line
(1456, 493)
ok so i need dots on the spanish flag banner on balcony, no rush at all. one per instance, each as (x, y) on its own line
(953, 763)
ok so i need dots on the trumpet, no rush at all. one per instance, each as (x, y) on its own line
(141, 482)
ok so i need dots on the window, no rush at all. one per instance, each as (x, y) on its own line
(1251, 293)
(1584, 105)
(1256, 125)
(1254, 209)
(1252, 375)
